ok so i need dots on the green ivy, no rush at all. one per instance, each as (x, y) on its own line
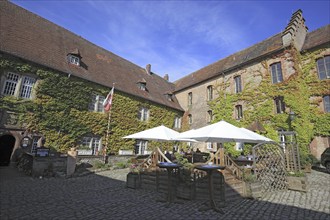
(297, 90)
(59, 111)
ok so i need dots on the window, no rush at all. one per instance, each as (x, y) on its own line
(73, 59)
(326, 103)
(279, 104)
(143, 114)
(189, 99)
(141, 147)
(239, 111)
(209, 93)
(209, 146)
(238, 84)
(323, 67)
(90, 146)
(169, 96)
(209, 116)
(190, 119)
(276, 71)
(35, 140)
(96, 104)
(142, 86)
(177, 122)
(18, 85)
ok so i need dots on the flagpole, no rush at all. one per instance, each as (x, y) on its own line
(107, 138)
(108, 128)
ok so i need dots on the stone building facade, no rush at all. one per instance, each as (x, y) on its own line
(248, 68)
(36, 43)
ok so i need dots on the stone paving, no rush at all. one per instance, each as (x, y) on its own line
(104, 196)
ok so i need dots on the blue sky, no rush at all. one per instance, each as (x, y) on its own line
(177, 37)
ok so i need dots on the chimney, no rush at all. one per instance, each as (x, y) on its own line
(148, 69)
(166, 77)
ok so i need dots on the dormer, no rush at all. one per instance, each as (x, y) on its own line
(169, 96)
(74, 57)
(142, 84)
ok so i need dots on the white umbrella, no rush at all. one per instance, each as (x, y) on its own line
(160, 133)
(257, 136)
(222, 132)
(184, 134)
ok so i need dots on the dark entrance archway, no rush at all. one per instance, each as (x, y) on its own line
(7, 143)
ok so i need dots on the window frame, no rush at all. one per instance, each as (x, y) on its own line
(276, 72)
(91, 142)
(190, 120)
(326, 103)
(18, 85)
(238, 84)
(96, 103)
(209, 145)
(326, 67)
(238, 112)
(209, 116)
(209, 93)
(143, 114)
(190, 97)
(142, 86)
(177, 122)
(75, 60)
(141, 147)
(279, 104)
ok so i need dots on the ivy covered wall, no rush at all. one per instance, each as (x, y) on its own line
(302, 92)
(59, 110)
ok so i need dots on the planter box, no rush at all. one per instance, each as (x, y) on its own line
(253, 190)
(133, 180)
(297, 183)
(185, 192)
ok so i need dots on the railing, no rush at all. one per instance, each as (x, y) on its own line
(226, 161)
(155, 157)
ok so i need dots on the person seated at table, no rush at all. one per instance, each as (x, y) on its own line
(242, 157)
(168, 155)
(197, 150)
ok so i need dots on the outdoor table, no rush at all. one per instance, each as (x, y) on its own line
(209, 169)
(169, 167)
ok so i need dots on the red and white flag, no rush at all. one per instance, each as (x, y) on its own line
(108, 100)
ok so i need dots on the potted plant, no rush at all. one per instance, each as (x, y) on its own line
(185, 187)
(297, 181)
(252, 187)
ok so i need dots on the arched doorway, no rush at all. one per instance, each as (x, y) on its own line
(7, 143)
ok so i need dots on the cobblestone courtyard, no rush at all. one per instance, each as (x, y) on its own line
(104, 196)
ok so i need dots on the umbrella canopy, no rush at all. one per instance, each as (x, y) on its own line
(222, 132)
(257, 136)
(160, 133)
(184, 134)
